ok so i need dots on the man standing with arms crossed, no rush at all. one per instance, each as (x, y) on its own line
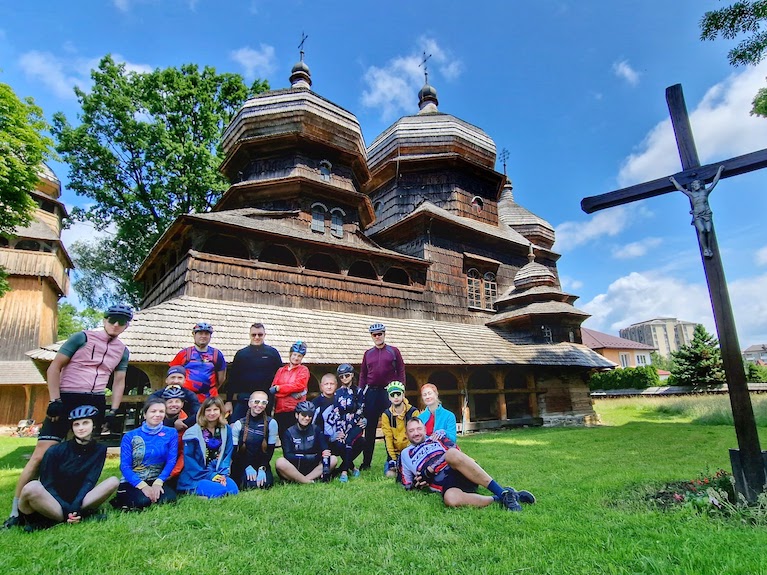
(252, 369)
(77, 376)
(381, 365)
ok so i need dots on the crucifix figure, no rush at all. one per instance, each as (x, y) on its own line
(700, 210)
(747, 461)
(425, 70)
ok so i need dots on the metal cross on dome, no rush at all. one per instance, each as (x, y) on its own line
(697, 182)
(425, 70)
(301, 45)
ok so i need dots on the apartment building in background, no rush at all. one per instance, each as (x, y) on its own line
(666, 334)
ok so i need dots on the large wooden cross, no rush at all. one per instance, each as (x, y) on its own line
(693, 182)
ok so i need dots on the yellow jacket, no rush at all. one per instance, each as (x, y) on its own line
(395, 435)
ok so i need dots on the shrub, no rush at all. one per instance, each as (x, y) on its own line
(625, 378)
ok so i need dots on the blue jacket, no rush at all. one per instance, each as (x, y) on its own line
(444, 420)
(195, 469)
(146, 457)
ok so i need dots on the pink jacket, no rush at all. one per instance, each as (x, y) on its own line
(89, 368)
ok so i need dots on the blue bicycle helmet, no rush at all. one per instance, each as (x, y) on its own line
(83, 412)
(376, 327)
(305, 407)
(344, 368)
(173, 392)
(119, 310)
(202, 326)
(298, 347)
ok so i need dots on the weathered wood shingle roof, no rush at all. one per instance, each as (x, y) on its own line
(157, 333)
(21, 372)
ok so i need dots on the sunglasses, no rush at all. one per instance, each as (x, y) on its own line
(346, 375)
(379, 334)
(395, 394)
(257, 334)
(117, 320)
(259, 402)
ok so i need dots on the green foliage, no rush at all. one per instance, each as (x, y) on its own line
(699, 364)
(625, 378)
(23, 148)
(661, 362)
(146, 150)
(756, 373)
(72, 320)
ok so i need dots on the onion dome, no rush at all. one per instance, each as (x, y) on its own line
(534, 274)
(533, 228)
(300, 76)
(427, 99)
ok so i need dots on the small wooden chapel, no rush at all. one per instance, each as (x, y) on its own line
(319, 236)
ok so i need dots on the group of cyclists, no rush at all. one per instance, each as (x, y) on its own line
(197, 440)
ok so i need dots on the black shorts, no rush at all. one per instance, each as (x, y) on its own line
(58, 430)
(305, 465)
(454, 479)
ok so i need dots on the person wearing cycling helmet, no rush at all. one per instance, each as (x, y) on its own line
(393, 422)
(183, 401)
(345, 422)
(147, 457)
(78, 375)
(289, 387)
(381, 365)
(306, 455)
(67, 489)
(205, 365)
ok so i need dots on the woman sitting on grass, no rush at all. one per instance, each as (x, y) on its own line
(67, 490)
(434, 416)
(208, 451)
(147, 457)
(255, 436)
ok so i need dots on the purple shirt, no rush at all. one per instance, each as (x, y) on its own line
(381, 366)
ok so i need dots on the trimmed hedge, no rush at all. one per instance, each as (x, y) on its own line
(625, 378)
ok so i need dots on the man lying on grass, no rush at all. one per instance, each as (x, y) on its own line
(436, 463)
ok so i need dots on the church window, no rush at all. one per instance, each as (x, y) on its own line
(228, 246)
(491, 290)
(396, 275)
(363, 269)
(318, 218)
(278, 254)
(547, 334)
(337, 222)
(322, 263)
(477, 203)
(474, 285)
(29, 245)
(325, 167)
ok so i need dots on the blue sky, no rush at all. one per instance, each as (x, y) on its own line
(574, 91)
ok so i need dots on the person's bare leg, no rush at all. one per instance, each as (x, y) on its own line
(317, 471)
(467, 467)
(287, 470)
(454, 497)
(100, 493)
(34, 497)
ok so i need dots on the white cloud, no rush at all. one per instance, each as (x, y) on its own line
(122, 5)
(608, 223)
(62, 74)
(256, 63)
(761, 256)
(624, 71)
(569, 283)
(722, 125)
(393, 88)
(643, 296)
(636, 249)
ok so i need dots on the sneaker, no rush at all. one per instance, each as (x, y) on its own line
(343, 478)
(12, 521)
(510, 500)
(526, 497)
(355, 472)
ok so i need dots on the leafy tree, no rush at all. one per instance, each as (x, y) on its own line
(71, 320)
(747, 18)
(640, 377)
(147, 150)
(756, 373)
(699, 364)
(23, 148)
(661, 362)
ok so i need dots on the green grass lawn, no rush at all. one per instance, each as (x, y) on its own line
(586, 520)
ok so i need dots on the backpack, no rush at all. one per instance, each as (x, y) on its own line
(409, 414)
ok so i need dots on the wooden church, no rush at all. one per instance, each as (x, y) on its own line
(319, 236)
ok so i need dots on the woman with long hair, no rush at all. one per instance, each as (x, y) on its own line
(435, 417)
(254, 436)
(208, 451)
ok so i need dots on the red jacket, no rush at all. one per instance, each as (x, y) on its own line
(293, 383)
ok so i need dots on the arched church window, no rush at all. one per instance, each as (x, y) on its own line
(490, 290)
(325, 167)
(228, 246)
(477, 203)
(363, 269)
(278, 254)
(337, 222)
(396, 275)
(322, 263)
(474, 287)
(318, 218)
(29, 245)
